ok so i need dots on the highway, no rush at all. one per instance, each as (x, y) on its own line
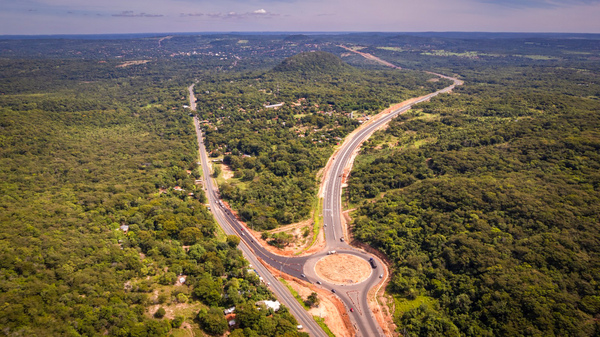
(332, 212)
(353, 295)
(251, 250)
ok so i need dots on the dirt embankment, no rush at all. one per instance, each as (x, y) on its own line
(330, 308)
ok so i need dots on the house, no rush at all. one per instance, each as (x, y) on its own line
(275, 305)
(124, 228)
(273, 106)
(229, 311)
(177, 188)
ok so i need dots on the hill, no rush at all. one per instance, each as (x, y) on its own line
(313, 62)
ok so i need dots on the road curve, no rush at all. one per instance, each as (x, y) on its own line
(353, 295)
(365, 323)
(251, 250)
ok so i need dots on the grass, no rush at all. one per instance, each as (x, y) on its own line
(538, 57)
(295, 294)
(391, 48)
(404, 305)
(317, 220)
(321, 322)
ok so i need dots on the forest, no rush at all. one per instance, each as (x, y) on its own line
(275, 152)
(486, 202)
(95, 238)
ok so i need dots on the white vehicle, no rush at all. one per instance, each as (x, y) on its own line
(299, 327)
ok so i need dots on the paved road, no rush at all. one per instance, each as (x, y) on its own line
(252, 250)
(356, 295)
(353, 295)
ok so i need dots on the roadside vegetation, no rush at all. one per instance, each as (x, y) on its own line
(280, 149)
(103, 228)
(486, 201)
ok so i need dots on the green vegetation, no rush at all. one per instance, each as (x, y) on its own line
(491, 221)
(295, 294)
(279, 153)
(91, 224)
(485, 200)
(313, 63)
(321, 322)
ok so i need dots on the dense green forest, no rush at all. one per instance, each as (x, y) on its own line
(486, 201)
(280, 149)
(94, 239)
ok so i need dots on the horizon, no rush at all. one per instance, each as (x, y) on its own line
(73, 17)
(415, 33)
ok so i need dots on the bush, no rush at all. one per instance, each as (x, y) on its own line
(160, 313)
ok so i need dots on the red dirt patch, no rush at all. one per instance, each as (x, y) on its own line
(335, 268)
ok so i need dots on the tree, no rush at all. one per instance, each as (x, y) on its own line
(190, 235)
(177, 321)
(233, 240)
(160, 313)
(216, 171)
(212, 321)
(313, 299)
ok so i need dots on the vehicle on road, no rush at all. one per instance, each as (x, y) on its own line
(302, 275)
(342, 239)
(372, 262)
(331, 252)
(319, 282)
(351, 310)
(381, 276)
(333, 291)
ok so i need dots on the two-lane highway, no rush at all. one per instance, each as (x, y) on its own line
(252, 250)
(332, 211)
(352, 295)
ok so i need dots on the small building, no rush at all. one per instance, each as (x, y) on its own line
(274, 106)
(124, 228)
(229, 311)
(275, 305)
(177, 188)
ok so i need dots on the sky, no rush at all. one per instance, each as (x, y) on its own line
(33, 17)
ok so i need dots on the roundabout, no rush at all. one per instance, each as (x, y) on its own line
(343, 269)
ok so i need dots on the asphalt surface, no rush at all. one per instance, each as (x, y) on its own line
(252, 250)
(353, 294)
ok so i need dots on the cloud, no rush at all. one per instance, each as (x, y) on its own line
(259, 13)
(540, 3)
(192, 14)
(131, 14)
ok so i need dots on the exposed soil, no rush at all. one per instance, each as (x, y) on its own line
(343, 269)
(226, 171)
(331, 309)
(132, 63)
(371, 57)
(297, 246)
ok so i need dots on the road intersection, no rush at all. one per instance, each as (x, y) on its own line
(353, 295)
